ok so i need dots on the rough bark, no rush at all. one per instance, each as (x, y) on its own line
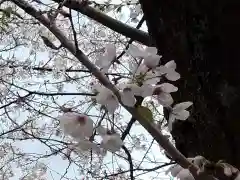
(203, 37)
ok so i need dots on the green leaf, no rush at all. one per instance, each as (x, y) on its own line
(145, 112)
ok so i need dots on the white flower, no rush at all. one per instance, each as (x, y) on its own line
(135, 51)
(169, 71)
(127, 97)
(228, 171)
(167, 87)
(147, 90)
(179, 112)
(151, 59)
(106, 98)
(76, 125)
(112, 142)
(128, 93)
(163, 93)
(105, 61)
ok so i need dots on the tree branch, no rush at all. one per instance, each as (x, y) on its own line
(113, 24)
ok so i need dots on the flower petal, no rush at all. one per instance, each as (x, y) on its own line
(227, 171)
(171, 65)
(135, 51)
(108, 99)
(151, 50)
(102, 95)
(182, 115)
(136, 90)
(181, 106)
(147, 90)
(163, 70)
(152, 61)
(173, 76)
(127, 98)
(111, 105)
(168, 88)
(112, 142)
(165, 99)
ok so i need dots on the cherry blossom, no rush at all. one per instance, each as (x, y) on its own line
(105, 61)
(106, 98)
(112, 142)
(179, 112)
(163, 91)
(150, 56)
(147, 90)
(168, 70)
(76, 125)
(128, 93)
(166, 87)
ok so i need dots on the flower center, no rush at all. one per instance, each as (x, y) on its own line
(127, 89)
(81, 120)
(157, 91)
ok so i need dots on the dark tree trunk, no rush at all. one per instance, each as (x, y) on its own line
(203, 37)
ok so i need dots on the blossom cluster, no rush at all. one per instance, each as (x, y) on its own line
(81, 128)
(145, 82)
(199, 161)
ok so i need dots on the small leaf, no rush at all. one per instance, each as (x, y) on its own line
(145, 112)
